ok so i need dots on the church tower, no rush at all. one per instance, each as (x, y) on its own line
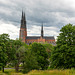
(42, 31)
(23, 29)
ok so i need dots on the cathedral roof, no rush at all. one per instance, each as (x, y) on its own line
(32, 37)
(49, 37)
(37, 37)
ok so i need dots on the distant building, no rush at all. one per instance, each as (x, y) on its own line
(30, 39)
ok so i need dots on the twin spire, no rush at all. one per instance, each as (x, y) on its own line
(23, 23)
(23, 20)
(23, 16)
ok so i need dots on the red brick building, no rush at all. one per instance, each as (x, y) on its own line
(30, 39)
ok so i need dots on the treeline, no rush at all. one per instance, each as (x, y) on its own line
(37, 55)
(15, 52)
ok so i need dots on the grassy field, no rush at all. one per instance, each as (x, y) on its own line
(40, 72)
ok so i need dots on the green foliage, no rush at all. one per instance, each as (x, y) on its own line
(21, 53)
(16, 44)
(41, 54)
(63, 55)
(4, 38)
(49, 48)
(30, 62)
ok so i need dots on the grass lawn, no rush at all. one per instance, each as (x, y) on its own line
(40, 72)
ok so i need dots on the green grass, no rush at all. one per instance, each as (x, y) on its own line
(52, 72)
(40, 72)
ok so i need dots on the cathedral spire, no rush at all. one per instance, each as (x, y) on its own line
(22, 15)
(23, 20)
(23, 29)
(42, 30)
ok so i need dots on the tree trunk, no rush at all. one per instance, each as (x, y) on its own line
(17, 67)
(3, 69)
(23, 63)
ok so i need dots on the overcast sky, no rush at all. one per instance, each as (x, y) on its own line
(53, 13)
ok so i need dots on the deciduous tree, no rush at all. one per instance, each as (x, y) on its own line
(63, 55)
(4, 38)
(42, 56)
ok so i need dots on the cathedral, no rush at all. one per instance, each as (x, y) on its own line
(30, 39)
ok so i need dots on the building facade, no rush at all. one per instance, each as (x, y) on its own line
(30, 39)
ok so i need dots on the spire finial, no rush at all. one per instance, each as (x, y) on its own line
(24, 17)
(22, 14)
(23, 20)
(42, 30)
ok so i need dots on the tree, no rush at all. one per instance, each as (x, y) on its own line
(63, 55)
(21, 53)
(30, 61)
(4, 38)
(9, 50)
(15, 46)
(49, 48)
(42, 56)
(26, 58)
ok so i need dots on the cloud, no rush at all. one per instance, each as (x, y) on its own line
(10, 29)
(53, 13)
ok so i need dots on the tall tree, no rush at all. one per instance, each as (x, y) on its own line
(16, 45)
(4, 38)
(63, 55)
(42, 56)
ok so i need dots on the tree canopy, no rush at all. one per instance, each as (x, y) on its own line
(42, 56)
(4, 38)
(63, 55)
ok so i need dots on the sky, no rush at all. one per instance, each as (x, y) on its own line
(54, 14)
